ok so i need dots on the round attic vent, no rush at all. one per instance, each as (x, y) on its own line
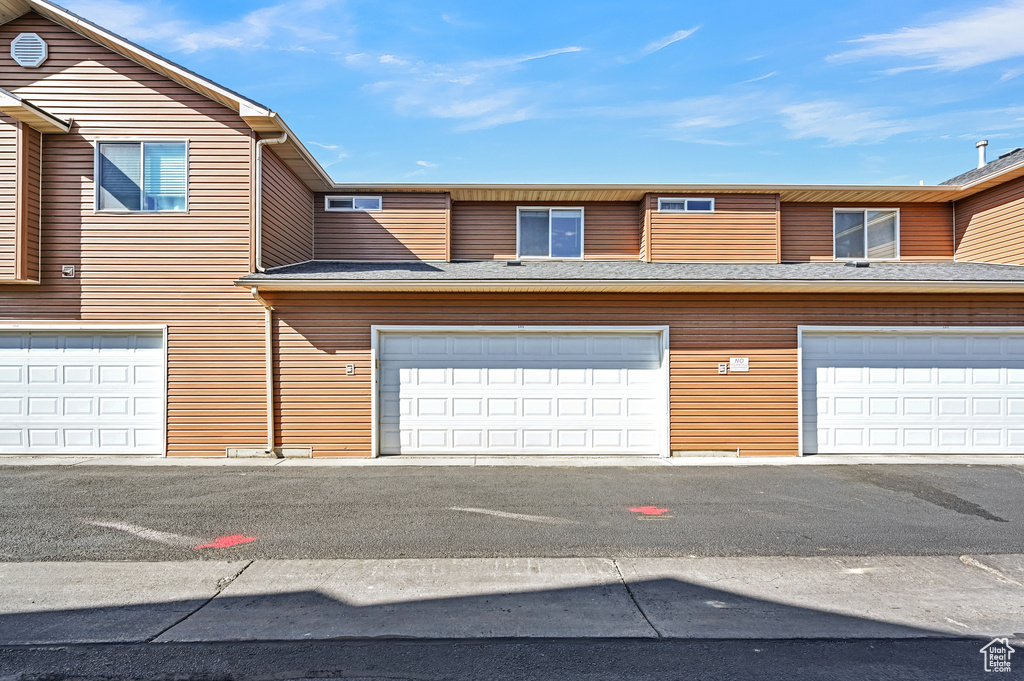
(29, 50)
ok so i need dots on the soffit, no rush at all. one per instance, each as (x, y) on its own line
(615, 192)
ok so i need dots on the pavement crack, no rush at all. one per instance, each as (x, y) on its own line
(998, 574)
(222, 584)
(632, 597)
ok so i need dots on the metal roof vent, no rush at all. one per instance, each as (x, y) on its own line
(29, 50)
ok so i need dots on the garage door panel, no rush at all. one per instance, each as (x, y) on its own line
(510, 393)
(82, 392)
(913, 393)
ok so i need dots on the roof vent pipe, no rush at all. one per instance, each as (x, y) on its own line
(981, 153)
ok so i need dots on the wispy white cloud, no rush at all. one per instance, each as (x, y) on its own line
(426, 164)
(516, 61)
(764, 77)
(287, 25)
(979, 36)
(330, 147)
(840, 123)
(392, 60)
(662, 43)
(475, 94)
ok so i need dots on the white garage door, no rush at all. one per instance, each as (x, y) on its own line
(81, 392)
(522, 393)
(914, 393)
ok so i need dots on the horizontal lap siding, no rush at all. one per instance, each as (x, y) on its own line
(487, 230)
(173, 269)
(409, 227)
(990, 225)
(287, 215)
(755, 413)
(31, 207)
(8, 196)
(741, 229)
(926, 230)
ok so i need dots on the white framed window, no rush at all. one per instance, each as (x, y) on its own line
(554, 232)
(142, 176)
(353, 203)
(865, 233)
(672, 204)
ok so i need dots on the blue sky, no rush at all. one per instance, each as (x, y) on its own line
(594, 91)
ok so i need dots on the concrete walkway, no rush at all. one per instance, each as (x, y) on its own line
(523, 461)
(702, 598)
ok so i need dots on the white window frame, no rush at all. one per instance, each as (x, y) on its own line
(520, 209)
(327, 204)
(142, 142)
(864, 210)
(685, 200)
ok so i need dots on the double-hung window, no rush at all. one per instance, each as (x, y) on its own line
(872, 234)
(142, 176)
(550, 233)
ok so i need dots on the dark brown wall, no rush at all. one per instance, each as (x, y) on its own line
(926, 230)
(287, 215)
(486, 230)
(410, 227)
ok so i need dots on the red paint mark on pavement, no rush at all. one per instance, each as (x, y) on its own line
(650, 510)
(225, 542)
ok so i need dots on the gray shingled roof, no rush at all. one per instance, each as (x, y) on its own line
(329, 270)
(1005, 161)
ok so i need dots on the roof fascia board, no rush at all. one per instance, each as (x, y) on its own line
(988, 179)
(32, 115)
(272, 123)
(634, 286)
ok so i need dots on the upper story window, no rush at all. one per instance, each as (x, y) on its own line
(349, 203)
(682, 205)
(872, 234)
(550, 233)
(142, 176)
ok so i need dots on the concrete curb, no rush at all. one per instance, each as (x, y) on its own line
(520, 461)
(680, 598)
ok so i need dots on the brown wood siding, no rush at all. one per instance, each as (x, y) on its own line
(644, 228)
(287, 214)
(487, 230)
(926, 230)
(8, 196)
(173, 269)
(742, 229)
(409, 227)
(30, 208)
(756, 413)
(990, 225)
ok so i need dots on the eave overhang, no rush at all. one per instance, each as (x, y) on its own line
(32, 115)
(268, 284)
(635, 192)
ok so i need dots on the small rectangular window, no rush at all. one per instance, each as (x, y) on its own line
(683, 205)
(142, 176)
(550, 233)
(353, 203)
(869, 234)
